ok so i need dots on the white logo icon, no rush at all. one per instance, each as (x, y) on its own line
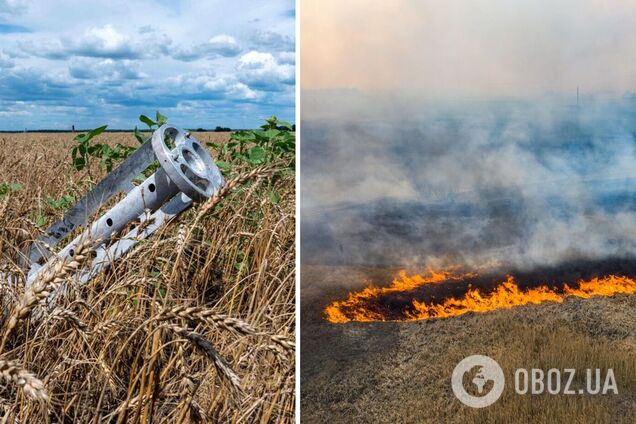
(480, 375)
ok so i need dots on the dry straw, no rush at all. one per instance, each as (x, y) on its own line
(48, 280)
(11, 372)
(196, 324)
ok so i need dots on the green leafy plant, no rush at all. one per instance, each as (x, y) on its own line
(6, 188)
(109, 156)
(62, 203)
(159, 121)
(40, 220)
(142, 138)
(274, 139)
(83, 151)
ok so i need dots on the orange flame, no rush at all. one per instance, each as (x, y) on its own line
(506, 295)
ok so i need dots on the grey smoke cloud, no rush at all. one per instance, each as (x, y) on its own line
(512, 182)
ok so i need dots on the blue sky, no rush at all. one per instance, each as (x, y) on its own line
(201, 63)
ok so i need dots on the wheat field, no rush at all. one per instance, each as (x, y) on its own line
(196, 325)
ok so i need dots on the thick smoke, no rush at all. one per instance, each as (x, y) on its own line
(513, 183)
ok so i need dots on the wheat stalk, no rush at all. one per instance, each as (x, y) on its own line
(208, 316)
(3, 206)
(30, 385)
(223, 369)
(107, 326)
(258, 172)
(209, 204)
(70, 317)
(48, 280)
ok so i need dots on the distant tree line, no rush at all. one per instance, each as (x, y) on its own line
(217, 129)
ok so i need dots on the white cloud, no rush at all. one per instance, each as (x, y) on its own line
(272, 40)
(97, 61)
(225, 45)
(262, 70)
(287, 57)
(242, 91)
(212, 84)
(105, 41)
(6, 61)
(12, 113)
(12, 7)
(145, 29)
(219, 45)
(106, 69)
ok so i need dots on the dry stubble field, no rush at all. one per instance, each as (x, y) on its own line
(196, 325)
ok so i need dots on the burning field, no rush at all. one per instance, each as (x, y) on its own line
(403, 299)
(387, 370)
(501, 228)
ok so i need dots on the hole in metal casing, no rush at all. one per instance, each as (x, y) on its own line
(201, 183)
(194, 160)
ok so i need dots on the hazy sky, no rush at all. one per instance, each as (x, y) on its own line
(469, 47)
(202, 63)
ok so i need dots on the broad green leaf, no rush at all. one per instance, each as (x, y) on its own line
(271, 133)
(6, 188)
(147, 121)
(97, 131)
(243, 136)
(141, 138)
(161, 119)
(270, 123)
(260, 136)
(79, 163)
(81, 138)
(257, 155)
(223, 165)
(285, 124)
(273, 197)
(285, 145)
(40, 221)
(51, 202)
(94, 150)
